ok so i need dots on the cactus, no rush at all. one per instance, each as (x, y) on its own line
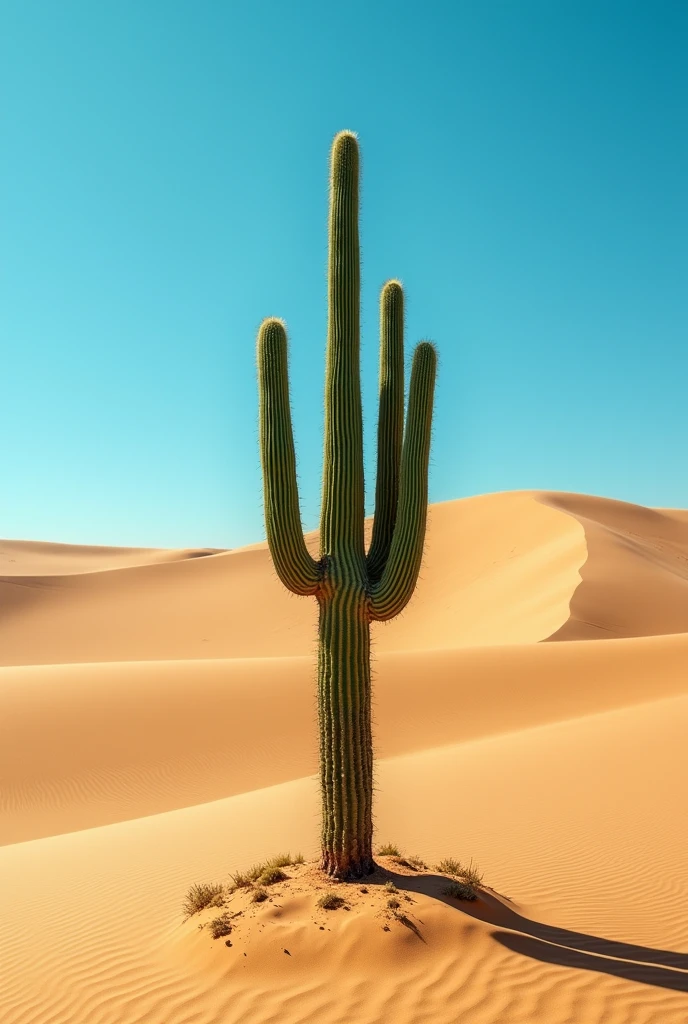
(353, 588)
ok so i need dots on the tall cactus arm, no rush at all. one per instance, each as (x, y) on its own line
(341, 523)
(390, 427)
(394, 590)
(296, 568)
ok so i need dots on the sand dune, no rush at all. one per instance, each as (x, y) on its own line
(635, 578)
(499, 569)
(88, 745)
(503, 572)
(157, 728)
(28, 559)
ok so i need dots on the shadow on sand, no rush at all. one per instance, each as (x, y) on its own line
(660, 967)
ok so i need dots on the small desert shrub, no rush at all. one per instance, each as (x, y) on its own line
(258, 873)
(393, 904)
(417, 863)
(259, 895)
(460, 891)
(330, 901)
(389, 850)
(220, 926)
(201, 896)
(271, 875)
(390, 886)
(282, 860)
(245, 879)
(470, 874)
(449, 866)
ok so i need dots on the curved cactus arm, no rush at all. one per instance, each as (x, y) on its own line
(390, 427)
(296, 568)
(342, 516)
(394, 590)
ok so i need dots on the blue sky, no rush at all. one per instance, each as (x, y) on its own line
(163, 187)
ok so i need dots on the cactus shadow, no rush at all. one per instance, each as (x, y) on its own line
(658, 967)
(567, 956)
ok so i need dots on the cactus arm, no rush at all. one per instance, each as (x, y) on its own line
(394, 590)
(342, 516)
(390, 427)
(296, 568)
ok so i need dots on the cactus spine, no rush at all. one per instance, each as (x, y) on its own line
(353, 588)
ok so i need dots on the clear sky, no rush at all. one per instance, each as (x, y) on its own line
(163, 187)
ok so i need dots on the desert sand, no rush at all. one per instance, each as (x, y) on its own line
(157, 729)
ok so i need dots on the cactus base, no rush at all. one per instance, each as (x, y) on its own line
(345, 867)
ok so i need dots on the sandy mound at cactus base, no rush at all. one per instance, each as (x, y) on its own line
(157, 730)
(420, 929)
(404, 921)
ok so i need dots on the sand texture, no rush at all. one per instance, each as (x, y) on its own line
(158, 729)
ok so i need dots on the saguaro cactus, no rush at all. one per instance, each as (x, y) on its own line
(353, 588)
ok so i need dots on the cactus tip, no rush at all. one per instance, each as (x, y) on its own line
(346, 134)
(391, 298)
(426, 349)
(345, 145)
(273, 321)
(272, 331)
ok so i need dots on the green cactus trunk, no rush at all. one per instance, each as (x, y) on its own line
(346, 748)
(353, 588)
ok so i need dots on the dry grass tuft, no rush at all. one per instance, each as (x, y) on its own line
(417, 863)
(201, 896)
(220, 926)
(470, 873)
(449, 866)
(389, 850)
(331, 901)
(259, 874)
(460, 891)
(271, 875)
(259, 896)
(390, 886)
(245, 879)
(282, 860)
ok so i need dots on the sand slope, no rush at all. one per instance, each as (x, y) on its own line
(635, 578)
(504, 573)
(157, 727)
